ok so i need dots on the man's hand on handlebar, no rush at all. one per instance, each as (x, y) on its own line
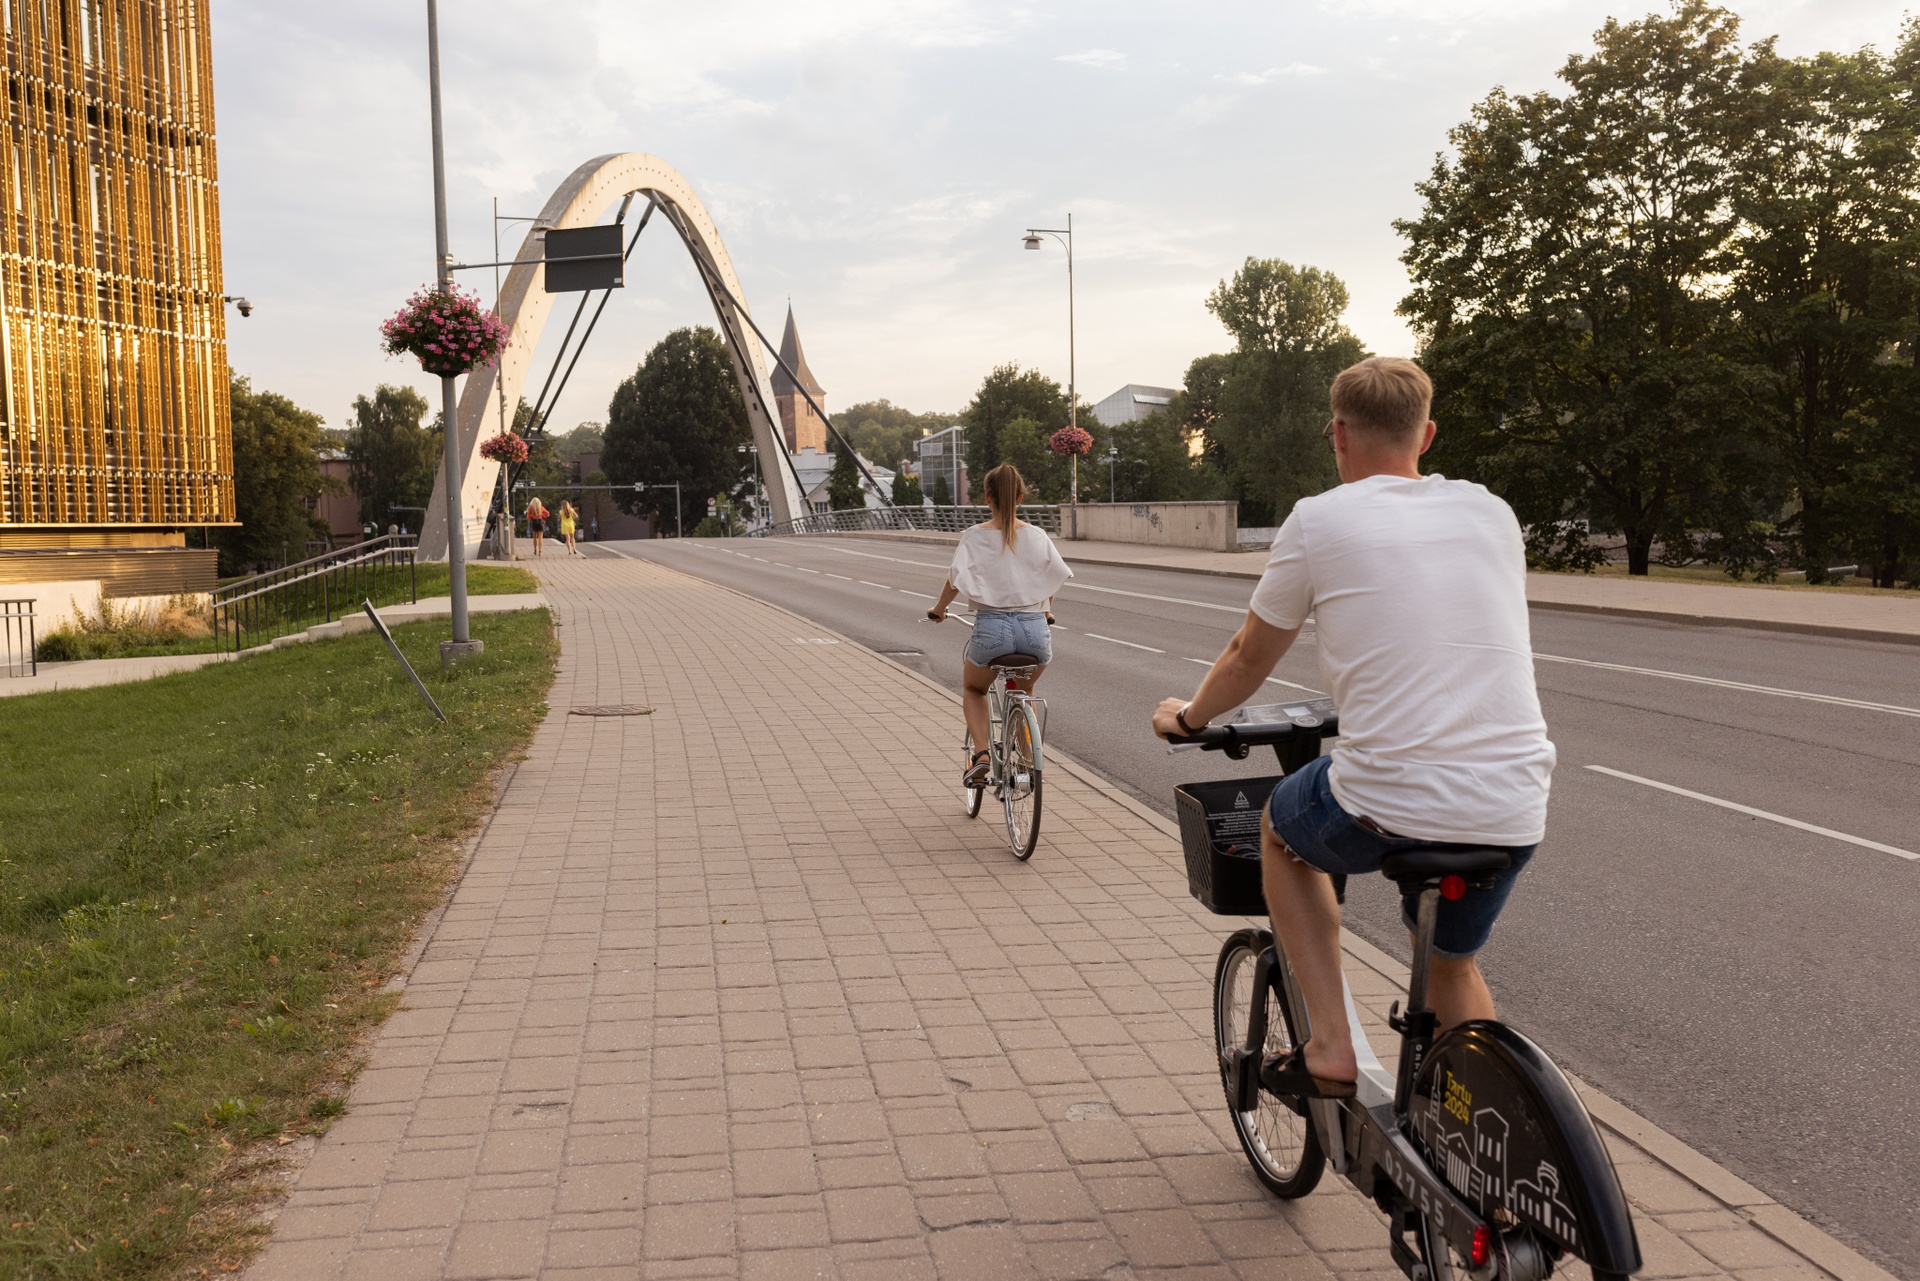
(1165, 722)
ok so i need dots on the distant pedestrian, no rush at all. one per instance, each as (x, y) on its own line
(593, 529)
(569, 521)
(537, 523)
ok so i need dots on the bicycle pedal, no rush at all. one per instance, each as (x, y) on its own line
(1242, 1068)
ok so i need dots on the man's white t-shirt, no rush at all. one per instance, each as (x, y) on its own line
(1418, 593)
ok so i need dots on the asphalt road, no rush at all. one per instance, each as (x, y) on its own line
(1748, 985)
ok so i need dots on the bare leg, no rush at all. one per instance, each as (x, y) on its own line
(975, 681)
(1306, 916)
(1457, 992)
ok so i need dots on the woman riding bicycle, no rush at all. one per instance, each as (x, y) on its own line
(1009, 571)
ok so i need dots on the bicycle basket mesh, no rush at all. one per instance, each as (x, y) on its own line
(1220, 832)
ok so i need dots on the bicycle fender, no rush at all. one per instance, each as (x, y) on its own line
(1505, 1130)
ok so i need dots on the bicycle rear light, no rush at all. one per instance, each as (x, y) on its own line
(1482, 1252)
(1453, 887)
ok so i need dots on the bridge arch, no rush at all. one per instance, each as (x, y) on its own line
(525, 304)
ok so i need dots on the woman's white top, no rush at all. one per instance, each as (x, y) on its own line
(1020, 579)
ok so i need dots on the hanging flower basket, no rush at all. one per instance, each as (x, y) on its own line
(1071, 440)
(505, 448)
(449, 332)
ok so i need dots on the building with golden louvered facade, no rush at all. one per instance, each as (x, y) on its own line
(114, 430)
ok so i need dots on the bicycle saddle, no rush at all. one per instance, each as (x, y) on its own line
(1431, 862)
(1022, 660)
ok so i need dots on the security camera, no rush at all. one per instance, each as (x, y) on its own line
(244, 304)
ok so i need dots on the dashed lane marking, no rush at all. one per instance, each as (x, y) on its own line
(1117, 641)
(842, 577)
(1771, 817)
(1804, 695)
(882, 586)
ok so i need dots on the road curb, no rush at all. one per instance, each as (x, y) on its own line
(1786, 1226)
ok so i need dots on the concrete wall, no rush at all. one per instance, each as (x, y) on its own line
(1207, 526)
(56, 603)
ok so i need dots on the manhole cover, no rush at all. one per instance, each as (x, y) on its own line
(613, 709)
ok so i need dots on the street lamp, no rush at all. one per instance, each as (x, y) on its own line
(462, 644)
(1113, 456)
(1065, 236)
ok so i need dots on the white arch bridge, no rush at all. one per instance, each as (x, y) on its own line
(580, 201)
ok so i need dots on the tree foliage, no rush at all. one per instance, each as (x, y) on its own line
(1261, 407)
(845, 487)
(1008, 394)
(906, 490)
(392, 461)
(276, 479)
(1676, 302)
(679, 417)
(886, 433)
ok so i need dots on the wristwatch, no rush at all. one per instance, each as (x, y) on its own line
(1180, 719)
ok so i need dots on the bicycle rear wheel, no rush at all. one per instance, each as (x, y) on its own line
(974, 795)
(1020, 784)
(1277, 1135)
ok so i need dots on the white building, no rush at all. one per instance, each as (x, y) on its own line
(815, 468)
(1132, 403)
(942, 457)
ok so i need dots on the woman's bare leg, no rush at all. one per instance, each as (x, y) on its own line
(974, 682)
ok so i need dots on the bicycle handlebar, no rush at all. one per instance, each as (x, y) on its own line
(1263, 727)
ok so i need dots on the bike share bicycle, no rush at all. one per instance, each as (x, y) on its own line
(1478, 1150)
(1016, 722)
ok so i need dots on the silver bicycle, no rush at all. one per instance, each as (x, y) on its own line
(1016, 725)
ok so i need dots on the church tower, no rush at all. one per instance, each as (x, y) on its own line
(802, 426)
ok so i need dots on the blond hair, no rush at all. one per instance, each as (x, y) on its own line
(1383, 396)
(1005, 492)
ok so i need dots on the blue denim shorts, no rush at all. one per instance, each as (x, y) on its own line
(1306, 816)
(996, 633)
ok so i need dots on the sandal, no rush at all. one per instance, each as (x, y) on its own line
(1287, 1074)
(976, 775)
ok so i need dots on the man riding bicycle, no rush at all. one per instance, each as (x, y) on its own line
(1417, 589)
(1010, 570)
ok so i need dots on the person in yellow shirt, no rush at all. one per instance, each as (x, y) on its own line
(569, 521)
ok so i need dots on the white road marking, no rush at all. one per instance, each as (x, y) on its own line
(1117, 641)
(882, 586)
(1171, 600)
(803, 569)
(842, 577)
(922, 595)
(1782, 819)
(617, 552)
(924, 564)
(1837, 701)
(1271, 680)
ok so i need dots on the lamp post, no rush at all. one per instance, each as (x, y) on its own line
(1113, 456)
(462, 643)
(1065, 236)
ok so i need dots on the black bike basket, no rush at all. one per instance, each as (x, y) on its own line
(1220, 828)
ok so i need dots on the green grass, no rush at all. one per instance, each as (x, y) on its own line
(205, 880)
(482, 580)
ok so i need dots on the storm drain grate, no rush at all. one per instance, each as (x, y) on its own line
(612, 709)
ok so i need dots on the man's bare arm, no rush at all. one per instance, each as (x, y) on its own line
(1248, 659)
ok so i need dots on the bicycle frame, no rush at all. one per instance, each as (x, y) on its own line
(1001, 699)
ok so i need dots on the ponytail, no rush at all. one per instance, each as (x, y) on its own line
(1005, 492)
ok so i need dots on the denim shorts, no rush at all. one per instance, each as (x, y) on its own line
(1306, 816)
(996, 633)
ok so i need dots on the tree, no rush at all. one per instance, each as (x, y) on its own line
(1007, 393)
(1823, 288)
(1156, 463)
(906, 490)
(1264, 405)
(942, 495)
(882, 430)
(1023, 442)
(392, 461)
(679, 417)
(845, 489)
(276, 479)
(1565, 269)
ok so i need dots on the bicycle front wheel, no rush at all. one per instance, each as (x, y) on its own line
(1277, 1135)
(1020, 783)
(974, 795)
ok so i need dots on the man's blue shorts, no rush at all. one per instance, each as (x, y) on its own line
(1306, 816)
(996, 632)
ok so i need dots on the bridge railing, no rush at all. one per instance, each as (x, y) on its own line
(931, 520)
(251, 611)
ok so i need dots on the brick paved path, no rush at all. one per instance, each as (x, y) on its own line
(736, 990)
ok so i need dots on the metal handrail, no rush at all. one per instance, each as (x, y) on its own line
(287, 600)
(928, 519)
(16, 620)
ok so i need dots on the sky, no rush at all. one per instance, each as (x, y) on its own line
(874, 163)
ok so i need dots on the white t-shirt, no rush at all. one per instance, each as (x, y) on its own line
(1418, 591)
(993, 577)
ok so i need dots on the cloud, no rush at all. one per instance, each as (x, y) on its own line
(1271, 74)
(1102, 58)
